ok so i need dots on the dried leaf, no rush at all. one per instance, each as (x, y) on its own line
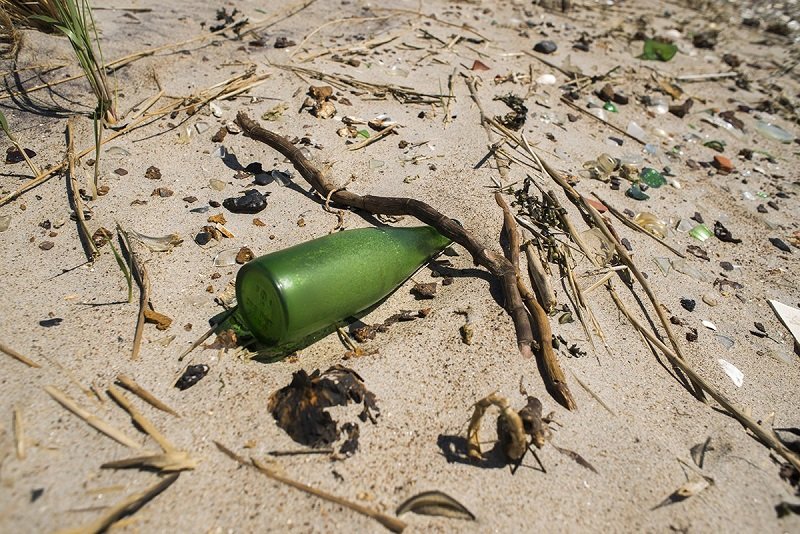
(435, 503)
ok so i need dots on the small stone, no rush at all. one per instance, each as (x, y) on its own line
(761, 208)
(424, 291)
(152, 173)
(722, 164)
(162, 192)
(202, 238)
(691, 335)
(780, 244)
(251, 202)
(46, 245)
(680, 110)
(258, 222)
(728, 266)
(606, 93)
(545, 47)
(216, 185)
(688, 304)
(244, 255)
(190, 199)
(706, 39)
(220, 135)
(120, 172)
(283, 42)
(214, 204)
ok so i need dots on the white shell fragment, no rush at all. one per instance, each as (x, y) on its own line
(789, 316)
(215, 109)
(708, 324)
(733, 372)
(546, 79)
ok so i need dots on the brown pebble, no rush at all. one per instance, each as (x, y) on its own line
(244, 255)
(120, 172)
(215, 276)
(152, 173)
(258, 222)
(103, 190)
(722, 164)
(220, 135)
(52, 234)
(162, 192)
(710, 300)
(188, 327)
(46, 245)
(301, 222)
(190, 199)
(210, 289)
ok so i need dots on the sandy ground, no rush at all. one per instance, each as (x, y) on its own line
(424, 377)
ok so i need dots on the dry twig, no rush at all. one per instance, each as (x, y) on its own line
(84, 235)
(17, 356)
(131, 385)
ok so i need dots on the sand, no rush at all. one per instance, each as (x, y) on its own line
(425, 378)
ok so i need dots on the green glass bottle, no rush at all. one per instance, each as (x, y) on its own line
(292, 297)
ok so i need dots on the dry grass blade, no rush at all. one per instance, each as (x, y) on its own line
(391, 523)
(19, 434)
(128, 506)
(595, 117)
(17, 356)
(131, 385)
(91, 419)
(11, 137)
(765, 435)
(85, 236)
(406, 95)
(139, 272)
(168, 462)
(380, 135)
(143, 422)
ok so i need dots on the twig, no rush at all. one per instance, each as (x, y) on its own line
(592, 393)
(301, 452)
(465, 27)
(767, 437)
(380, 135)
(595, 117)
(130, 505)
(632, 224)
(19, 433)
(330, 23)
(502, 164)
(495, 263)
(541, 282)
(553, 375)
(91, 419)
(392, 523)
(85, 237)
(131, 385)
(17, 356)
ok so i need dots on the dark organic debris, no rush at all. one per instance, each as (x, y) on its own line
(706, 39)
(227, 339)
(47, 323)
(251, 202)
(723, 234)
(13, 155)
(516, 118)
(784, 508)
(300, 407)
(152, 173)
(368, 332)
(191, 376)
(680, 110)
(435, 503)
(688, 304)
(698, 252)
(283, 42)
(424, 291)
(244, 255)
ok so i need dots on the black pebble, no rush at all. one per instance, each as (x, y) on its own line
(251, 202)
(545, 47)
(191, 376)
(697, 217)
(36, 493)
(760, 326)
(688, 304)
(728, 266)
(47, 323)
(202, 238)
(778, 243)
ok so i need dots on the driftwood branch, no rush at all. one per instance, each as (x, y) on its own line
(481, 254)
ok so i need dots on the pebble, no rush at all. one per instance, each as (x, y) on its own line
(710, 300)
(251, 202)
(722, 164)
(152, 173)
(780, 244)
(46, 245)
(545, 47)
(688, 304)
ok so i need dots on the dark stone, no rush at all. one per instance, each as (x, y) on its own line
(780, 244)
(706, 39)
(202, 238)
(545, 47)
(728, 266)
(283, 42)
(47, 323)
(761, 208)
(251, 202)
(688, 304)
(192, 375)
